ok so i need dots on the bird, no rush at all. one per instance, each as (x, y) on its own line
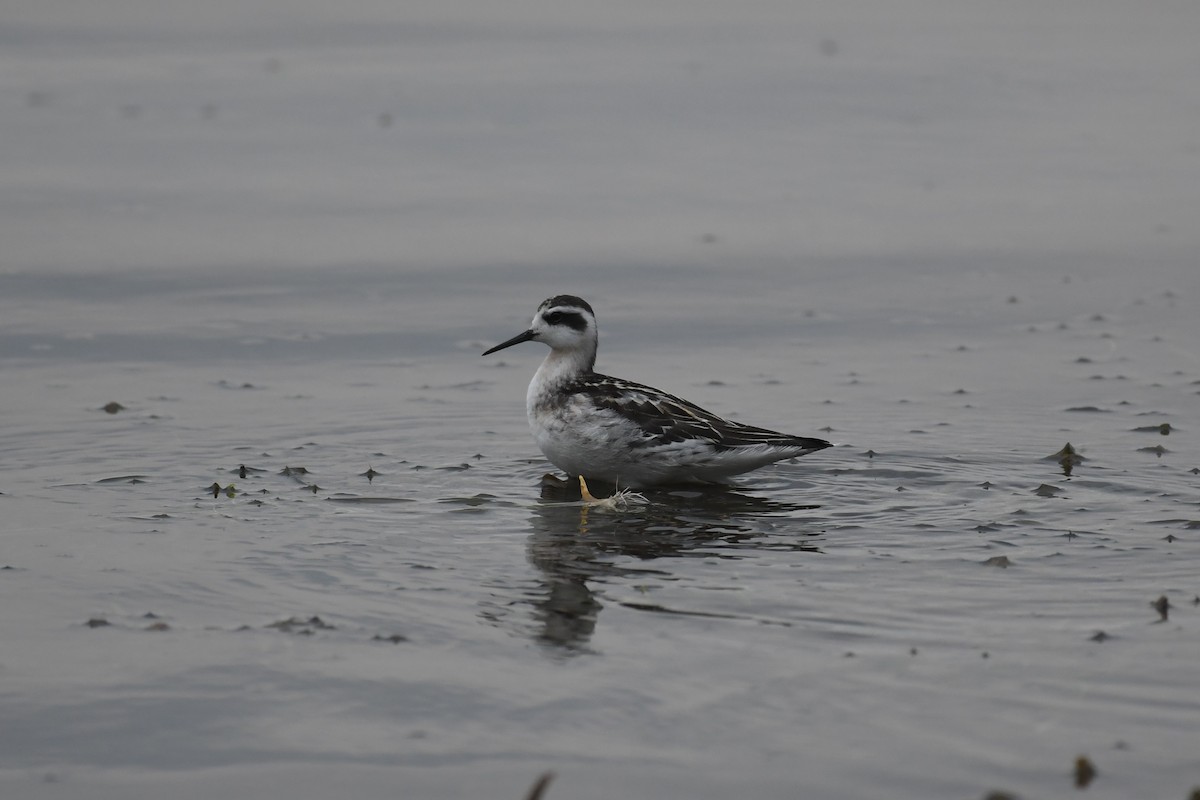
(626, 434)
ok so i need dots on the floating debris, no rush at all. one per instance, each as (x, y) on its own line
(303, 627)
(370, 474)
(112, 408)
(539, 786)
(1085, 772)
(395, 638)
(1068, 458)
(1163, 606)
(125, 479)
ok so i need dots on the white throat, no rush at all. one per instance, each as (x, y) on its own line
(559, 368)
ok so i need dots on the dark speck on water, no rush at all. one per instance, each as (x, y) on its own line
(1085, 772)
(1163, 606)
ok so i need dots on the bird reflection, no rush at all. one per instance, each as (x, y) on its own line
(573, 546)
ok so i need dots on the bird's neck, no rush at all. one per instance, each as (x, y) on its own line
(562, 366)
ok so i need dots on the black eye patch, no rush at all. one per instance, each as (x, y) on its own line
(572, 319)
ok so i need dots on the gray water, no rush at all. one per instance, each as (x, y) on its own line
(950, 243)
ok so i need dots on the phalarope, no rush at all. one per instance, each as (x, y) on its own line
(624, 433)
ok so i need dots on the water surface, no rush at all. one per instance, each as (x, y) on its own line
(310, 552)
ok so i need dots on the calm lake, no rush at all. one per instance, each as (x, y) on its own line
(306, 551)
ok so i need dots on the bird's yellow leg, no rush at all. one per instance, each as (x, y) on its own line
(588, 497)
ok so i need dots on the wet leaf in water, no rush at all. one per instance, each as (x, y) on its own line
(242, 471)
(539, 786)
(303, 627)
(394, 638)
(1163, 606)
(1068, 458)
(1085, 772)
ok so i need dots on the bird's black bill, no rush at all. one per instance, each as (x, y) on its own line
(520, 337)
